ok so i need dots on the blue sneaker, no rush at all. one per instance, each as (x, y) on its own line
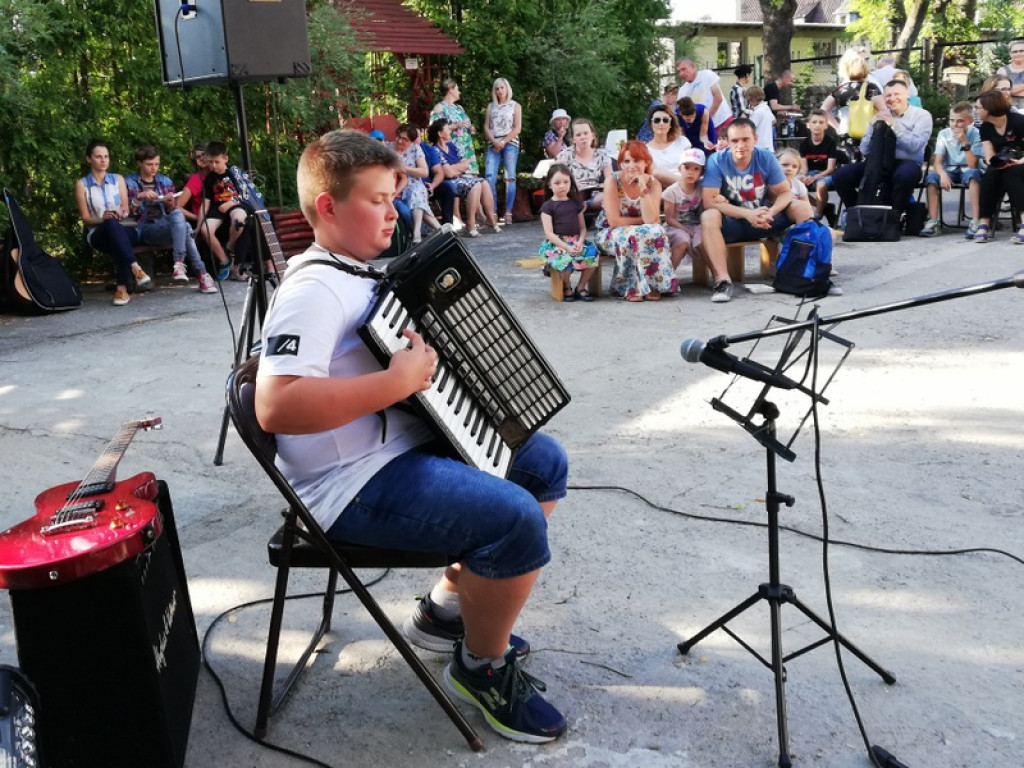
(509, 698)
(223, 270)
(425, 630)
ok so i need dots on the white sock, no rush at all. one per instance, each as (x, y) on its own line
(446, 604)
(474, 663)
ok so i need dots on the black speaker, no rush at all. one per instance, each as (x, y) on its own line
(232, 41)
(114, 658)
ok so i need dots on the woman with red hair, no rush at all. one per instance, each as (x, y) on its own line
(632, 232)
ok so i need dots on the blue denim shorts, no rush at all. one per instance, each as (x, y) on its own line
(740, 230)
(956, 175)
(424, 502)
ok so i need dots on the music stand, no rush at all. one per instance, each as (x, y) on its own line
(774, 592)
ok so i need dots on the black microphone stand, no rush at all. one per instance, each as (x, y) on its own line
(774, 592)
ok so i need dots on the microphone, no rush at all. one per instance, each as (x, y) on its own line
(713, 356)
(885, 759)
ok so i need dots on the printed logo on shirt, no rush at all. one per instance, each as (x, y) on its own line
(286, 344)
(745, 190)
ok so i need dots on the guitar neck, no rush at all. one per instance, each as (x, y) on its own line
(102, 474)
(273, 245)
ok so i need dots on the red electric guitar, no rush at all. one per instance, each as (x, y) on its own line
(83, 528)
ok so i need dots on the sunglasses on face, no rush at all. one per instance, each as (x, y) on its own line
(656, 120)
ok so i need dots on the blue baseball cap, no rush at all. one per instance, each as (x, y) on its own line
(378, 135)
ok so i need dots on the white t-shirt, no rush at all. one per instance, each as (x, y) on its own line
(700, 90)
(668, 158)
(764, 119)
(310, 330)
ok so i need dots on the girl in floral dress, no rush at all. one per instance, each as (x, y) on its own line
(566, 249)
(415, 193)
(458, 120)
(632, 232)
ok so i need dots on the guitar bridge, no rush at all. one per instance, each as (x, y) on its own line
(73, 518)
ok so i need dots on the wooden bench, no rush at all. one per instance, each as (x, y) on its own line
(593, 284)
(736, 261)
(293, 232)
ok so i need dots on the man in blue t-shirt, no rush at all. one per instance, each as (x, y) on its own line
(746, 197)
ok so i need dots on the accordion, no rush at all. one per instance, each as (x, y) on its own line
(493, 388)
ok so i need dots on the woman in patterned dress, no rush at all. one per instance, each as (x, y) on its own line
(415, 193)
(632, 231)
(458, 120)
(472, 189)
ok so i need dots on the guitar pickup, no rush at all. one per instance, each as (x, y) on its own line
(73, 518)
(90, 489)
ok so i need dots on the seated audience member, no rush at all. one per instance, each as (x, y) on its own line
(438, 187)
(1000, 83)
(565, 248)
(160, 221)
(684, 203)
(668, 99)
(191, 198)
(1002, 138)
(696, 125)
(473, 189)
(789, 160)
(588, 163)
(958, 149)
(746, 197)
(1015, 72)
(667, 145)
(819, 156)
(762, 117)
(630, 230)
(558, 136)
(738, 93)
(414, 194)
(912, 128)
(402, 183)
(370, 471)
(102, 200)
(221, 203)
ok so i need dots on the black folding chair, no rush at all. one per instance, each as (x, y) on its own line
(301, 543)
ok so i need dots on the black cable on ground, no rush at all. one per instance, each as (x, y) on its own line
(223, 691)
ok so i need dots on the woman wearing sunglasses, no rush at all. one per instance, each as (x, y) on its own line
(667, 146)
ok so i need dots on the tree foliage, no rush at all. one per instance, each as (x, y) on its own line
(80, 69)
(73, 70)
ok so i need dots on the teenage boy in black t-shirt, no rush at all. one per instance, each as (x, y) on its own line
(221, 203)
(820, 156)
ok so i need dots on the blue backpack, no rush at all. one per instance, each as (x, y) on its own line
(805, 261)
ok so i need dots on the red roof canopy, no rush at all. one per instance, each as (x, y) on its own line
(387, 25)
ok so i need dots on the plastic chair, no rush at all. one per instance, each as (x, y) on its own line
(301, 543)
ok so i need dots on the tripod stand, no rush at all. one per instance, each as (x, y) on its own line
(254, 309)
(777, 594)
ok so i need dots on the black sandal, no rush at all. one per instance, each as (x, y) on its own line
(584, 295)
(568, 295)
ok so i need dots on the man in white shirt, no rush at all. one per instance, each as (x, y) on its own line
(703, 87)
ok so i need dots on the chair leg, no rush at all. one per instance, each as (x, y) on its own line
(402, 645)
(270, 700)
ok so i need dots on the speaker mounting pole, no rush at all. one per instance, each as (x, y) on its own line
(243, 126)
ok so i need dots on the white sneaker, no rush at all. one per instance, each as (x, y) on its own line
(180, 275)
(206, 283)
(722, 292)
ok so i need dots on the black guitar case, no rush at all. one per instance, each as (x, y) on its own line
(31, 280)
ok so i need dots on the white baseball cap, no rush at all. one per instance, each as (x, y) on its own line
(692, 155)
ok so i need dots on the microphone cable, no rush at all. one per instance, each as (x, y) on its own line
(208, 634)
